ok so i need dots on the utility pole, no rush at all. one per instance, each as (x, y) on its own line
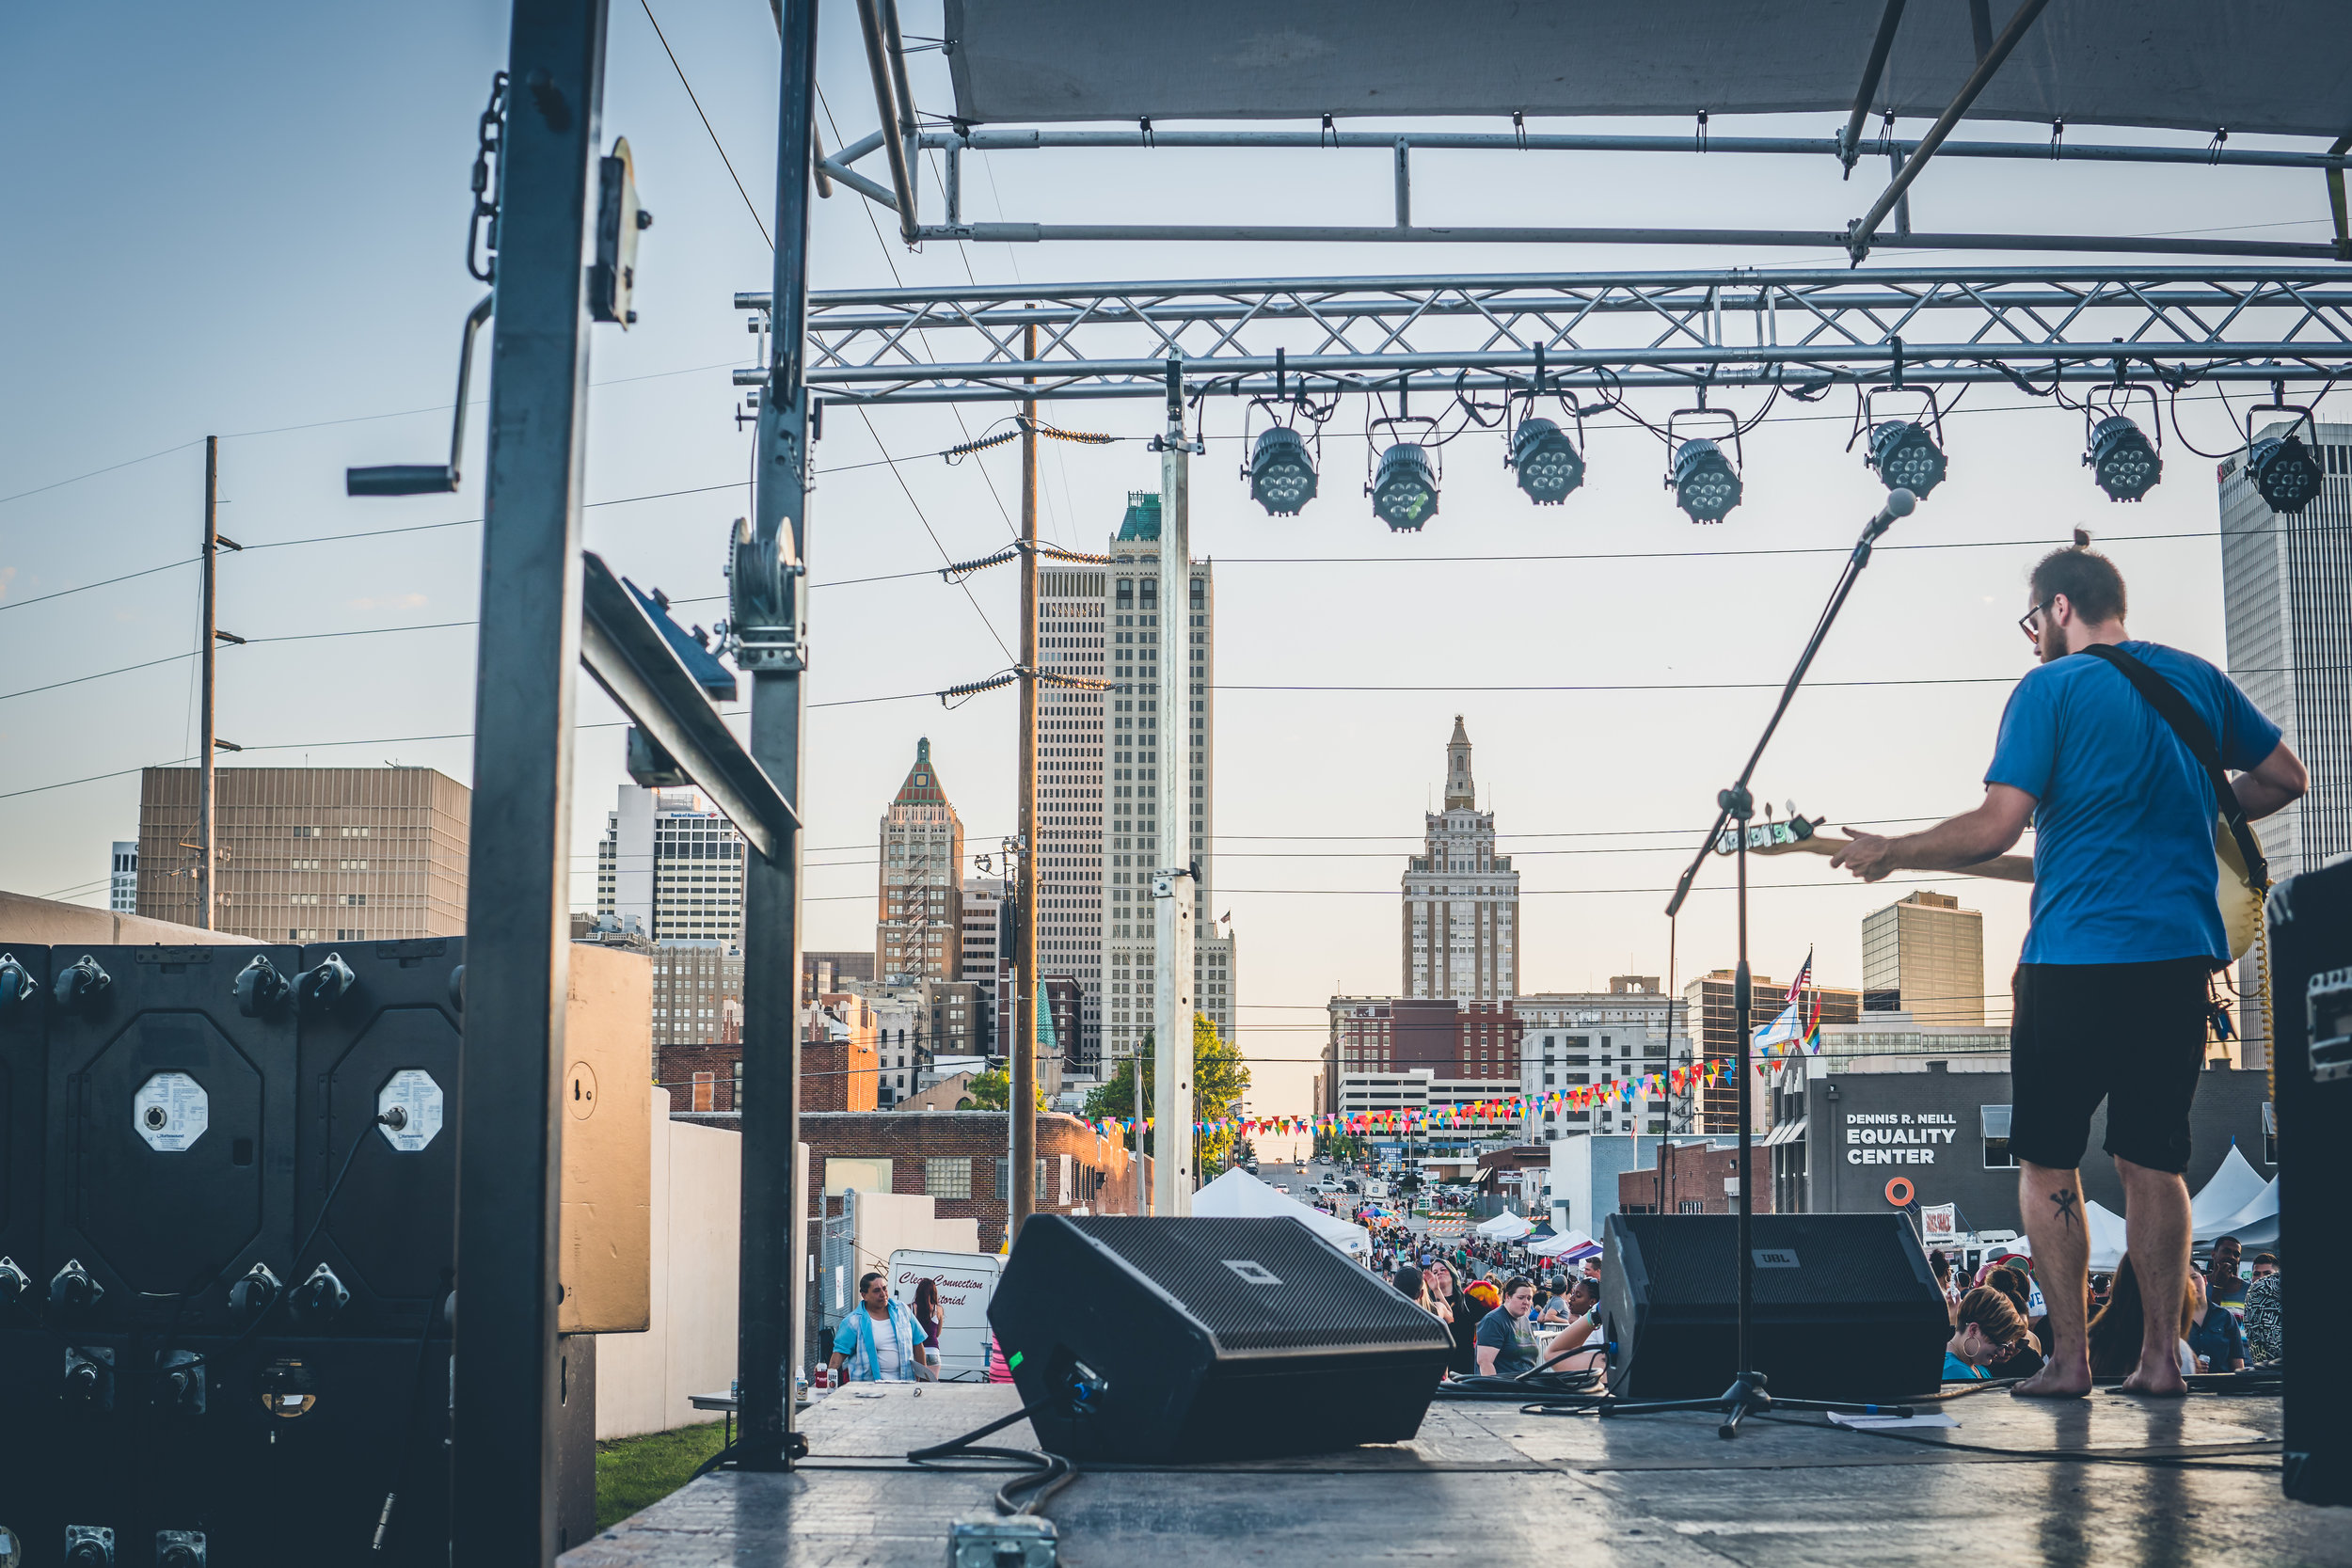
(1021, 1097)
(207, 639)
(1172, 884)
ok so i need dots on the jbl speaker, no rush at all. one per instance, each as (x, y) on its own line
(2311, 1006)
(1844, 1306)
(1157, 1340)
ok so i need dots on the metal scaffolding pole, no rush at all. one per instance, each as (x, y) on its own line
(1172, 885)
(1021, 1096)
(208, 640)
(519, 905)
(770, 645)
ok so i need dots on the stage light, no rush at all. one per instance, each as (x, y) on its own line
(1548, 462)
(1906, 456)
(1706, 485)
(2284, 470)
(2120, 459)
(1404, 490)
(1281, 474)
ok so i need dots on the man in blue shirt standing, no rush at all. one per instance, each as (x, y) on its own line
(2111, 994)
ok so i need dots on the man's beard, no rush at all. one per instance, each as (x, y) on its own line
(2053, 641)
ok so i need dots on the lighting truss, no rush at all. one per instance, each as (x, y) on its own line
(1800, 329)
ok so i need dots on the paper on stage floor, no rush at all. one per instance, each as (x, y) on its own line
(1888, 1423)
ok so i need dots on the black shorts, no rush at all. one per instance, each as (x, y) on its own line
(2132, 1034)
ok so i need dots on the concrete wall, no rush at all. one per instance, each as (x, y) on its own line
(645, 1380)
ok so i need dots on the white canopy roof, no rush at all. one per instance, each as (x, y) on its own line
(1238, 1194)
(2255, 1224)
(1572, 1242)
(2233, 1187)
(2271, 66)
(1505, 1226)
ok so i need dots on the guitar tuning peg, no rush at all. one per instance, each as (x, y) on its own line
(1793, 808)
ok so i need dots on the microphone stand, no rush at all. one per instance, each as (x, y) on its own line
(1746, 1396)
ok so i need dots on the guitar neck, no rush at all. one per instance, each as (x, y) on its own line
(2002, 869)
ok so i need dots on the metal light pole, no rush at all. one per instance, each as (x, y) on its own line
(770, 634)
(1172, 884)
(519, 905)
(1021, 1096)
(207, 640)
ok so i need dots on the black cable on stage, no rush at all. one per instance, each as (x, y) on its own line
(1051, 1472)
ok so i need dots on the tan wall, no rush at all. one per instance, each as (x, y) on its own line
(644, 1381)
(45, 923)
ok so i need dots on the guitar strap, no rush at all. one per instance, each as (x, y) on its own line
(2174, 710)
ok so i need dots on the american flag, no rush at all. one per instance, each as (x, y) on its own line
(1804, 978)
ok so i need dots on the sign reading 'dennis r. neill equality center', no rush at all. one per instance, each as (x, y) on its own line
(1890, 1138)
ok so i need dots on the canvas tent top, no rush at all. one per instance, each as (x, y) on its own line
(2195, 64)
(2234, 1185)
(1238, 1194)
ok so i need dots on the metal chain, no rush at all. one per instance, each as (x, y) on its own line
(491, 143)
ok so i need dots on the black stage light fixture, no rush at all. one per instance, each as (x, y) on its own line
(1281, 473)
(1548, 462)
(1405, 488)
(1707, 486)
(1906, 456)
(2120, 459)
(2284, 470)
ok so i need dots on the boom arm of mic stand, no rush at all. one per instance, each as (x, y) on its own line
(1898, 504)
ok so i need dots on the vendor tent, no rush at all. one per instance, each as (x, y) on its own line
(1505, 1226)
(2255, 1226)
(1573, 1247)
(2235, 1185)
(1239, 1195)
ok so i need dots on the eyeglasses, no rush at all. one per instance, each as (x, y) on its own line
(2025, 622)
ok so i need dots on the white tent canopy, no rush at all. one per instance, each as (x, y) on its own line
(2233, 1187)
(1505, 1226)
(1238, 1194)
(2271, 68)
(2255, 1224)
(1552, 1246)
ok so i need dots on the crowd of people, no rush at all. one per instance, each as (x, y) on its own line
(2228, 1319)
(1505, 1317)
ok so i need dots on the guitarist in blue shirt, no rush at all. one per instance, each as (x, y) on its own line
(2110, 748)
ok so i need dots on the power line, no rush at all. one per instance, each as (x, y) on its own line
(705, 120)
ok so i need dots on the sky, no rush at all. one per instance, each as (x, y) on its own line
(255, 231)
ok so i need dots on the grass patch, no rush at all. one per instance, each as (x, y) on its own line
(634, 1473)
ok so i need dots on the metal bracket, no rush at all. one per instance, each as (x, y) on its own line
(631, 659)
(766, 634)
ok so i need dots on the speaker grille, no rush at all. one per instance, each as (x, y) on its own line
(1220, 1269)
(1689, 1260)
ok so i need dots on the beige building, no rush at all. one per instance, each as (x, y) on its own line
(1924, 955)
(310, 854)
(698, 993)
(1461, 899)
(918, 923)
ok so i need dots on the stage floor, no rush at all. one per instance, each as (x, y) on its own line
(2107, 1479)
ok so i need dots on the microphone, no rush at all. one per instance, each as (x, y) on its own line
(1899, 503)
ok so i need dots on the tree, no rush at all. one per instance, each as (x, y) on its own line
(1219, 1078)
(992, 1091)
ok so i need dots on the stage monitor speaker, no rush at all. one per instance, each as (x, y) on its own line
(1184, 1340)
(2311, 1000)
(1844, 1306)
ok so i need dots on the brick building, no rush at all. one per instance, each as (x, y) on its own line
(1450, 1040)
(840, 1054)
(703, 1078)
(958, 1158)
(1690, 1179)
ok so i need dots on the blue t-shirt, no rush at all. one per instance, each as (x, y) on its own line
(1957, 1370)
(2124, 861)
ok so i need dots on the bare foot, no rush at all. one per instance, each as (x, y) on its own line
(2156, 1383)
(2055, 1382)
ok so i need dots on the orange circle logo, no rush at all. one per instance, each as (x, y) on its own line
(1899, 1190)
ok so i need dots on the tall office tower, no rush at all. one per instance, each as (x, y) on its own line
(2290, 639)
(674, 866)
(1070, 763)
(985, 951)
(698, 993)
(1139, 764)
(310, 854)
(1924, 954)
(918, 897)
(122, 892)
(1461, 898)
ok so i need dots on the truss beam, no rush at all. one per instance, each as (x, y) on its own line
(1801, 328)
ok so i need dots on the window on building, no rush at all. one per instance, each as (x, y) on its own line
(947, 1178)
(1996, 1154)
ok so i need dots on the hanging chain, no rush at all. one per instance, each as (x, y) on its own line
(486, 205)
